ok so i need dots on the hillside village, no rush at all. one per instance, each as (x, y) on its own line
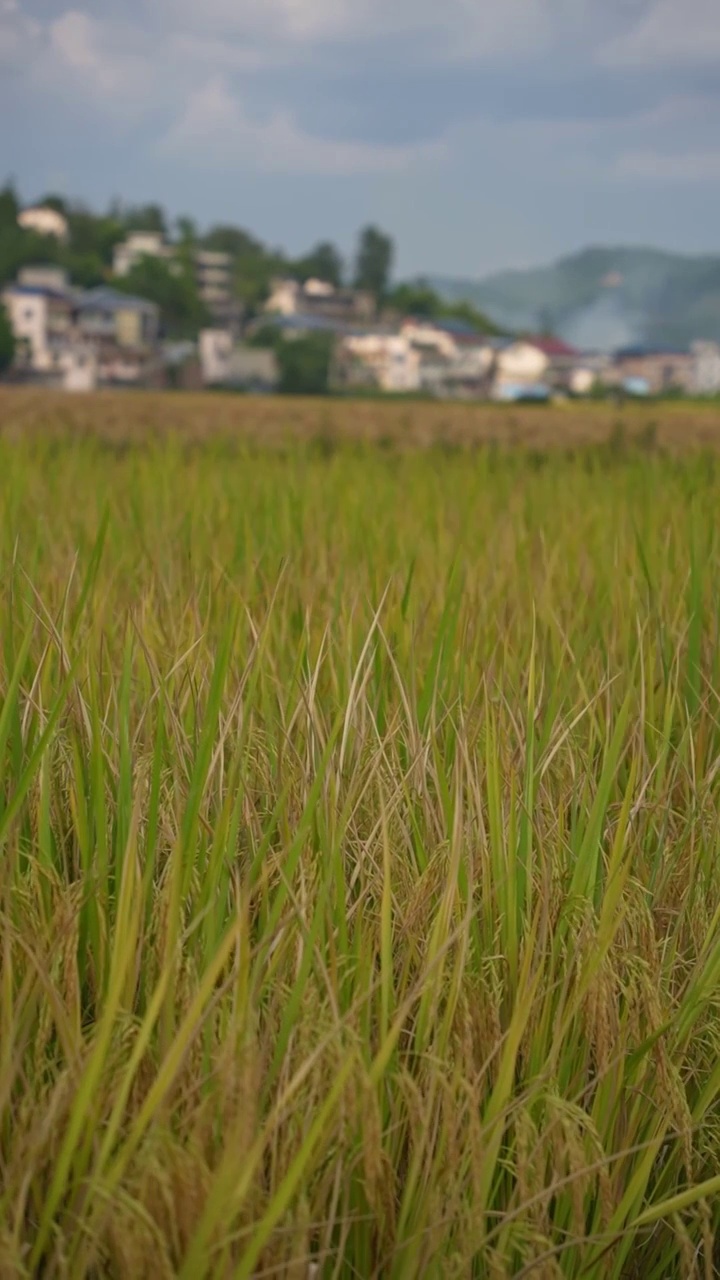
(164, 312)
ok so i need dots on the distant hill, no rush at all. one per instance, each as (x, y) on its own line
(603, 298)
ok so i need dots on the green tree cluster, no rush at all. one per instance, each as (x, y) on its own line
(305, 364)
(324, 262)
(374, 262)
(418, 299)
(87, 256)
(174, 290)
(7, 341)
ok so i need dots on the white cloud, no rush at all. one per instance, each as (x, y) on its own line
(108, 63)
(672, 33)
(215, 129)
(19, 35)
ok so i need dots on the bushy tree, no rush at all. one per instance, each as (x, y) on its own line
(415, 300)
(324, 262)
(418, 299)
(469, 315)
(305, 364)
(7, 340)
(187, 231)
(92, 236)
(182, 311)
(145, 217)
(374, 262)
(9, 206)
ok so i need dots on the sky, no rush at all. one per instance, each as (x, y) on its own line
(481, 134)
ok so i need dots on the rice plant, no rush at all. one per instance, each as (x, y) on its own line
(359, 860)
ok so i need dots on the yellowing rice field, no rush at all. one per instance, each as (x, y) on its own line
(359, 840)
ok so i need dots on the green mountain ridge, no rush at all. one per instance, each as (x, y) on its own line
(604, 297)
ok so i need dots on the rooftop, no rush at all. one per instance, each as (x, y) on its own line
(552, 347)
(37, 291)
(105, 299)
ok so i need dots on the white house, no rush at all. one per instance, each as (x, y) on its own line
(582, 380)
(44, 221)
(139, 244)
(215, 349)
(391, 358)
(430, 337)
(285, 298)
(45, 275)
(521, 364)
(78, 365)
(28, 315)
(41, 321)
(318, 288)
(706, 372)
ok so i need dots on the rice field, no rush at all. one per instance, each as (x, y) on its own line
(359, 841)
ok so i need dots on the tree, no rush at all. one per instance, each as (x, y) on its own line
(92, 236)
(233, 240)
(53, 201)
(420, 300)
(9, 206)
(415, 300)
(145, 217)
(7, 340)
(305, 364)
(187, 230)
(182, 312)
(374, 261)
(324, 262)
(469, 315)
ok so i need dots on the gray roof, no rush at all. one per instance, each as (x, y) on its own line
(106, 299)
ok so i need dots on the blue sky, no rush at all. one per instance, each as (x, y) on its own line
(481, 134)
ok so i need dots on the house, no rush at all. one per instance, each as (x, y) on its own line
(467, 376)
(215, 348)
(517, 365)
(660, 369)
(45, 276)
(79, 337)
(225, 364)
(115, 319)
(546, 362)
(581, 380)
(44, 221)
(388, 361)
(427, 336)
(138, 245)
(284, 299)
(559, 354)
(252, 369)
(213, 276)
(706, 369)
(320, 299)
(455, 360)
(212, 269)
(78, 366)
(41, 320)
